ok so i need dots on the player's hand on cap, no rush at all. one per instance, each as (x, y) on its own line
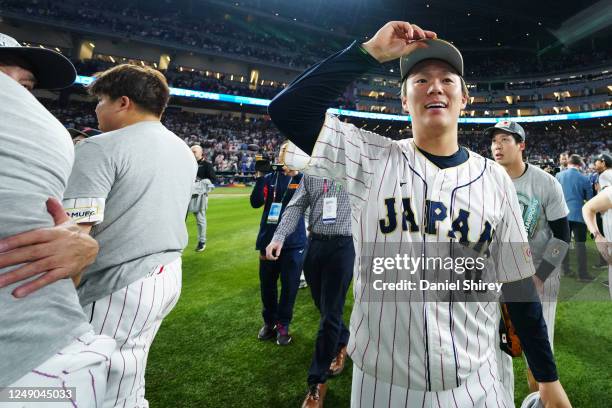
(553, 395)
(273, 250)
(63, 251)
(393, 39)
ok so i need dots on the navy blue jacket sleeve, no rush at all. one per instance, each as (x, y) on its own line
(299, 110)
(257, 195)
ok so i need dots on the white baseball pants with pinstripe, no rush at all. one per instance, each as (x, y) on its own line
(132, 316)
(83, 364)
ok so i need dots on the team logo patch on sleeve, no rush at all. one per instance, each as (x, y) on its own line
(527, 252)
(85, 210)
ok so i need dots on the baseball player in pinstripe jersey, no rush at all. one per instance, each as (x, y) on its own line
(422, 190)
(544, 214)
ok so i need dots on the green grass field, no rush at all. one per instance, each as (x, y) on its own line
(206, 353)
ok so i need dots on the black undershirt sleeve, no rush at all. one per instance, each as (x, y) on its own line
(531, 328)
(299, 110)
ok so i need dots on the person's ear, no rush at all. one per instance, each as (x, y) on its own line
(405, 105)
(125, 103)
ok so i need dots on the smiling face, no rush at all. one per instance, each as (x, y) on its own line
(433, 95)
(505, 149)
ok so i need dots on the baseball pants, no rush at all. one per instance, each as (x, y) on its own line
(481, 389)
(201, 220)
(81, 366)
(132, 316)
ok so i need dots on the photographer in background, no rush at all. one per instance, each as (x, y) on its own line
(273, 191)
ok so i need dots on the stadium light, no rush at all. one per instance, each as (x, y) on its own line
(247, 100)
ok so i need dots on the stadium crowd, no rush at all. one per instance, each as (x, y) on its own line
(214, 32)
(219, 32)
(192, 79)
(231, 142)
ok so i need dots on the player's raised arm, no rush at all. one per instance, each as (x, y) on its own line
(299, 110)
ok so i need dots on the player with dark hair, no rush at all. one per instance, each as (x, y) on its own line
(123, 194)
(544, 214)
(419, 192)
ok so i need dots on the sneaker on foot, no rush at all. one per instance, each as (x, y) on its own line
(267, 332)
(201, 246)
(283, 337)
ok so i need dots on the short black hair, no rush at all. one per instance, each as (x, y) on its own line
(145, 86)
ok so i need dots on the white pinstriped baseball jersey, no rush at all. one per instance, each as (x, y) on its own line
(420, 345)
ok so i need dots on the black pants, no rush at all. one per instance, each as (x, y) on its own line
(579, 232)
(328, 269)
(288, 267)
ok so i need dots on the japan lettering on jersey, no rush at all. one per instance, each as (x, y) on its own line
(399, 197)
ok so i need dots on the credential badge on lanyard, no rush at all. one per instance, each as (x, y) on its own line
(330, 207)
(275, 208)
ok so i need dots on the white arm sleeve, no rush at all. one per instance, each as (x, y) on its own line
(342, 152)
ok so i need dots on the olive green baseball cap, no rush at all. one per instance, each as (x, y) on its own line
(430, 48)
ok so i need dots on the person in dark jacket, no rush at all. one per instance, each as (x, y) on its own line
(274, 191)
(576, 190)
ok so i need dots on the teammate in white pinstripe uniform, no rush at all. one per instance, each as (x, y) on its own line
(421, 190)
(544, 214)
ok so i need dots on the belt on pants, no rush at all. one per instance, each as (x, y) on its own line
(322, 237)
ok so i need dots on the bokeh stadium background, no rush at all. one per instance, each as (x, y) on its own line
(548, 63)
